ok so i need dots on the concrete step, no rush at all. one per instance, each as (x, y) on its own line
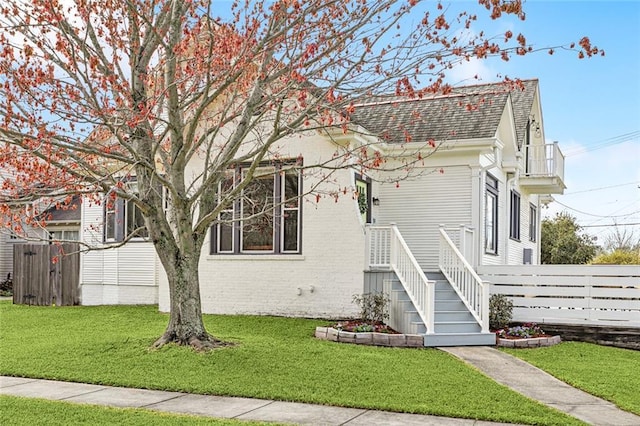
(460, 339)
(457, 327)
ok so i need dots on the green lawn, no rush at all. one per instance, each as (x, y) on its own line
(274, 358)
(30, 411)
(608, 372)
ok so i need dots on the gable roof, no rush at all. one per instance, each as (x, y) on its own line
(468, 112)
(70, 213)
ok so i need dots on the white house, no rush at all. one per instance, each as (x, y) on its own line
(485, 182)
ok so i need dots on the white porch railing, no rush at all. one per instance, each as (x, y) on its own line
(463, 237)
(388, 250)
(544, 161)
(472, 290)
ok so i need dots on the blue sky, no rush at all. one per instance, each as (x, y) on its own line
(590, 106)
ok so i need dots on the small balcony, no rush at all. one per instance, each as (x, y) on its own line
(543, 169)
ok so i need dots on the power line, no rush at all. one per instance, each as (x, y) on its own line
(615, 140)
(596, 215)
(610, 225)
(601, 188)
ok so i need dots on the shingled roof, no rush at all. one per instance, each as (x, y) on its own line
(68, 214)
(469, 112)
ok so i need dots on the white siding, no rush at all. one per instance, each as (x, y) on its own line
(6, 256)
(125, 275)
(419, 205)
(516, 248)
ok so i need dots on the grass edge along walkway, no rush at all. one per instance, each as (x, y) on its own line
(607, 372)
(275, 358)
(33, 411)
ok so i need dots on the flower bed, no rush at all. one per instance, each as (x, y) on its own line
(533, 342)
(373, 338)
(528, 335)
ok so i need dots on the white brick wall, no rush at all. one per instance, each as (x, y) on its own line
(331, 263)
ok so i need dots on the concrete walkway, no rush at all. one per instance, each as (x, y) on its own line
(218, 406)
(537, 384)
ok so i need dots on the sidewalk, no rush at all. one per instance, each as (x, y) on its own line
(539, 385)
(218, 406)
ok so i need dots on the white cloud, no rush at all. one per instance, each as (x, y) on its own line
(469, 72)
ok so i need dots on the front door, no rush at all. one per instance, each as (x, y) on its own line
(363, 192)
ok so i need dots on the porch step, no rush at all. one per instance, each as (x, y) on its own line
(457, 327)
(459, 339)
(460, 315)
(450, 305)
(454, 325)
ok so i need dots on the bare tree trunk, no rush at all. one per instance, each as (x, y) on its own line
(185, 323)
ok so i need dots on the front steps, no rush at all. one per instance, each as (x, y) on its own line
(454, 324)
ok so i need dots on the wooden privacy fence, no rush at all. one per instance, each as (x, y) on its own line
(46, 274)
(569, 294)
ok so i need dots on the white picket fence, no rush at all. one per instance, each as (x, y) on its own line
(569, 294)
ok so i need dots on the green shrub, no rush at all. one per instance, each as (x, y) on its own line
(618, 257)
(374, 307)
(500, 311)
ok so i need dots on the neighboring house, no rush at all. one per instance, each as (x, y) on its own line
(485, 183)
(59, 224)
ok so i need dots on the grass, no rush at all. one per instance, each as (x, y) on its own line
(31, 411)
(607, 372)
(275, 358)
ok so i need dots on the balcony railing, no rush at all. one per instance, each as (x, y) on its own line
(543, 168)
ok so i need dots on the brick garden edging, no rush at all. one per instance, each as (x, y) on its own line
(370, 338)
(534, 342)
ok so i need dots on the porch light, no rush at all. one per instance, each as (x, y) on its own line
(375, 201)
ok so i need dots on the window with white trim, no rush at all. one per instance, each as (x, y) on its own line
(64, 235)
(266, 217)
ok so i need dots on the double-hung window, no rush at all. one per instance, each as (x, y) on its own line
(514, 217)
(491, 215)
(265, 217)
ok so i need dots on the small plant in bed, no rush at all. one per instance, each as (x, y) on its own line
(374, 310)
(359, 326)
(524, 331)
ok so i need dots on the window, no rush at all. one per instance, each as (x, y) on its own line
(514, 216)
(491, 215)
(64, 235)
(265, 218)
(533, 222)
(123, 219)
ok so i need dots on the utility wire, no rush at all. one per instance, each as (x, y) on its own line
(615, 140)
(596, 215)
(609, 225)
(601, 188)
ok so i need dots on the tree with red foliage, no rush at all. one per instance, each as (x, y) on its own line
(97, 93)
